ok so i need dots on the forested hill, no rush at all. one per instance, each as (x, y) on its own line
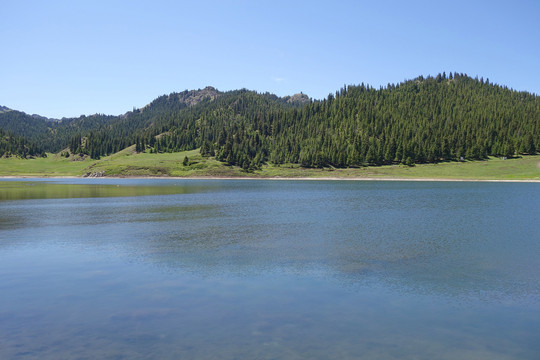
(105, 134)
(47, 134)
(422, 120)
(11, 145)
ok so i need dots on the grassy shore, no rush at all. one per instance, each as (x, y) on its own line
(127, 163)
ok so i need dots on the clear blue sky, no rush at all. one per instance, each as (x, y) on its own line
(67, 58)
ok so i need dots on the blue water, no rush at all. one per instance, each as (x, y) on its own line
(238, 269)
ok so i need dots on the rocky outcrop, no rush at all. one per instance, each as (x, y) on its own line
(193, 97)
(95, 174)
(297, 99)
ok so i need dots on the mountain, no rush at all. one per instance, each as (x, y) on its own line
(180, 119)
(422, 120)
(4, 109)
(50, 135)
(442, 118)
(431, 119)
(21, 124)
(109, 134)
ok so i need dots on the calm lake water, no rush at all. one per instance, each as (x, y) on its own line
(247, 269)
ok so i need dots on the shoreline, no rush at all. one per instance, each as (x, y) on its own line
(272, 178)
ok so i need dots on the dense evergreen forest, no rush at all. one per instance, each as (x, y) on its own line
(442, 118)
(51, 135)
(18, 146)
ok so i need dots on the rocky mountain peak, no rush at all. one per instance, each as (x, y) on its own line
(193, 97)
(298, 99)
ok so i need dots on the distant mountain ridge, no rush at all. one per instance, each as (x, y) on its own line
(54, 135)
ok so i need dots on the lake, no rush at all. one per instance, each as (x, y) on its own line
(256, 269)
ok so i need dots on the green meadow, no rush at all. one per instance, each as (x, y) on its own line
(128, 163)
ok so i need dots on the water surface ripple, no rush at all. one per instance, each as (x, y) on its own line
(227, 269)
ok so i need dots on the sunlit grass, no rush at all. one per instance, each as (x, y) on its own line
(127, 163)
(52, 165)
(525, 168)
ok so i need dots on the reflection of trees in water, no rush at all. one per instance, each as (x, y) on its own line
(26, 190)
(444, 239)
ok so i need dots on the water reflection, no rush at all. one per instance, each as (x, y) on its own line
(449, 239)
(25, 190)
(260, 269)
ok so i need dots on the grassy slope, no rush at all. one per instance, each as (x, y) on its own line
(128, 163)
(526, 168)
(52, 165)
